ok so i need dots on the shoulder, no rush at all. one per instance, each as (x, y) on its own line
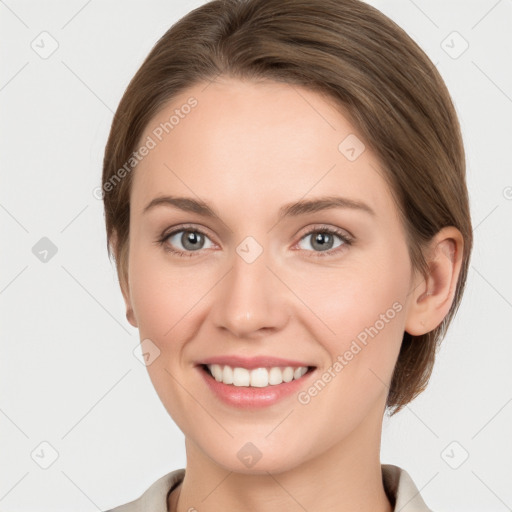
(400, 486)
(155, 497)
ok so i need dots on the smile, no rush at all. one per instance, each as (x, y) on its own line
(256, 377)
(254, 388)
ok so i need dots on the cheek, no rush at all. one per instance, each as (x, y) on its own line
(362, 309)
(366, 321)
(352, 302)
(347, 298)
(158, 294)
(167, 298)
(166, 301)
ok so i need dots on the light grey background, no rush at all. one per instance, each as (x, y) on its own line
(68, 370)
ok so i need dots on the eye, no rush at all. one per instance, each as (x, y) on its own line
(190, 239)
(322, 240)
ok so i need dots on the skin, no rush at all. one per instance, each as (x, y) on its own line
(247, 149)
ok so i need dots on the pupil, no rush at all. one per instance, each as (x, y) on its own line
(323, 240)
(190, 238)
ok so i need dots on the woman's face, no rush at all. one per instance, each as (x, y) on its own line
(259, 278)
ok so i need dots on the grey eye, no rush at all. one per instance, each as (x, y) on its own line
(190, 240)
(322, 240)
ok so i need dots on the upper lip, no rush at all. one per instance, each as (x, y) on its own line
(252, 362)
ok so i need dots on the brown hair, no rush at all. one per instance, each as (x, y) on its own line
(377, 75)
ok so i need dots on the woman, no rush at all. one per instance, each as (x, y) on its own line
(285, 199)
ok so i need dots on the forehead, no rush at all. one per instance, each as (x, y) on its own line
(246, 142)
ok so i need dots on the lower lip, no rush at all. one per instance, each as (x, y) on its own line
(245, 397)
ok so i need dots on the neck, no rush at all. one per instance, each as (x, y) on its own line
(346, 477)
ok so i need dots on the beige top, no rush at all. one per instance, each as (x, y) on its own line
(398, 485)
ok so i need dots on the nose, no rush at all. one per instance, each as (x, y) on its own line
(251, 300)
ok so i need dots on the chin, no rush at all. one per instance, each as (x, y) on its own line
(255, 458)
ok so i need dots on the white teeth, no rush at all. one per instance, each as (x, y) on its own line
(257, 377)
(216, 371)
(241, 377)
(297, 374)
(227, 375)
(275, 376)
(288, 374)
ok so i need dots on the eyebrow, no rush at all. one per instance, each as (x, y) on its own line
(295, 209)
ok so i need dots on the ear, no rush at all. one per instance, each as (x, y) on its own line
(432, 296)
(123, 281)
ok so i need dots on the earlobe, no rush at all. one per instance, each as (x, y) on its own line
(432, 295)
(131, 317)
(125, 289)
(123, 280)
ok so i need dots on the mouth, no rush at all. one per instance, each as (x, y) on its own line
(255, 377)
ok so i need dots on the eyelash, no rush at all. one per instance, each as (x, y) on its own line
(347, 240)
